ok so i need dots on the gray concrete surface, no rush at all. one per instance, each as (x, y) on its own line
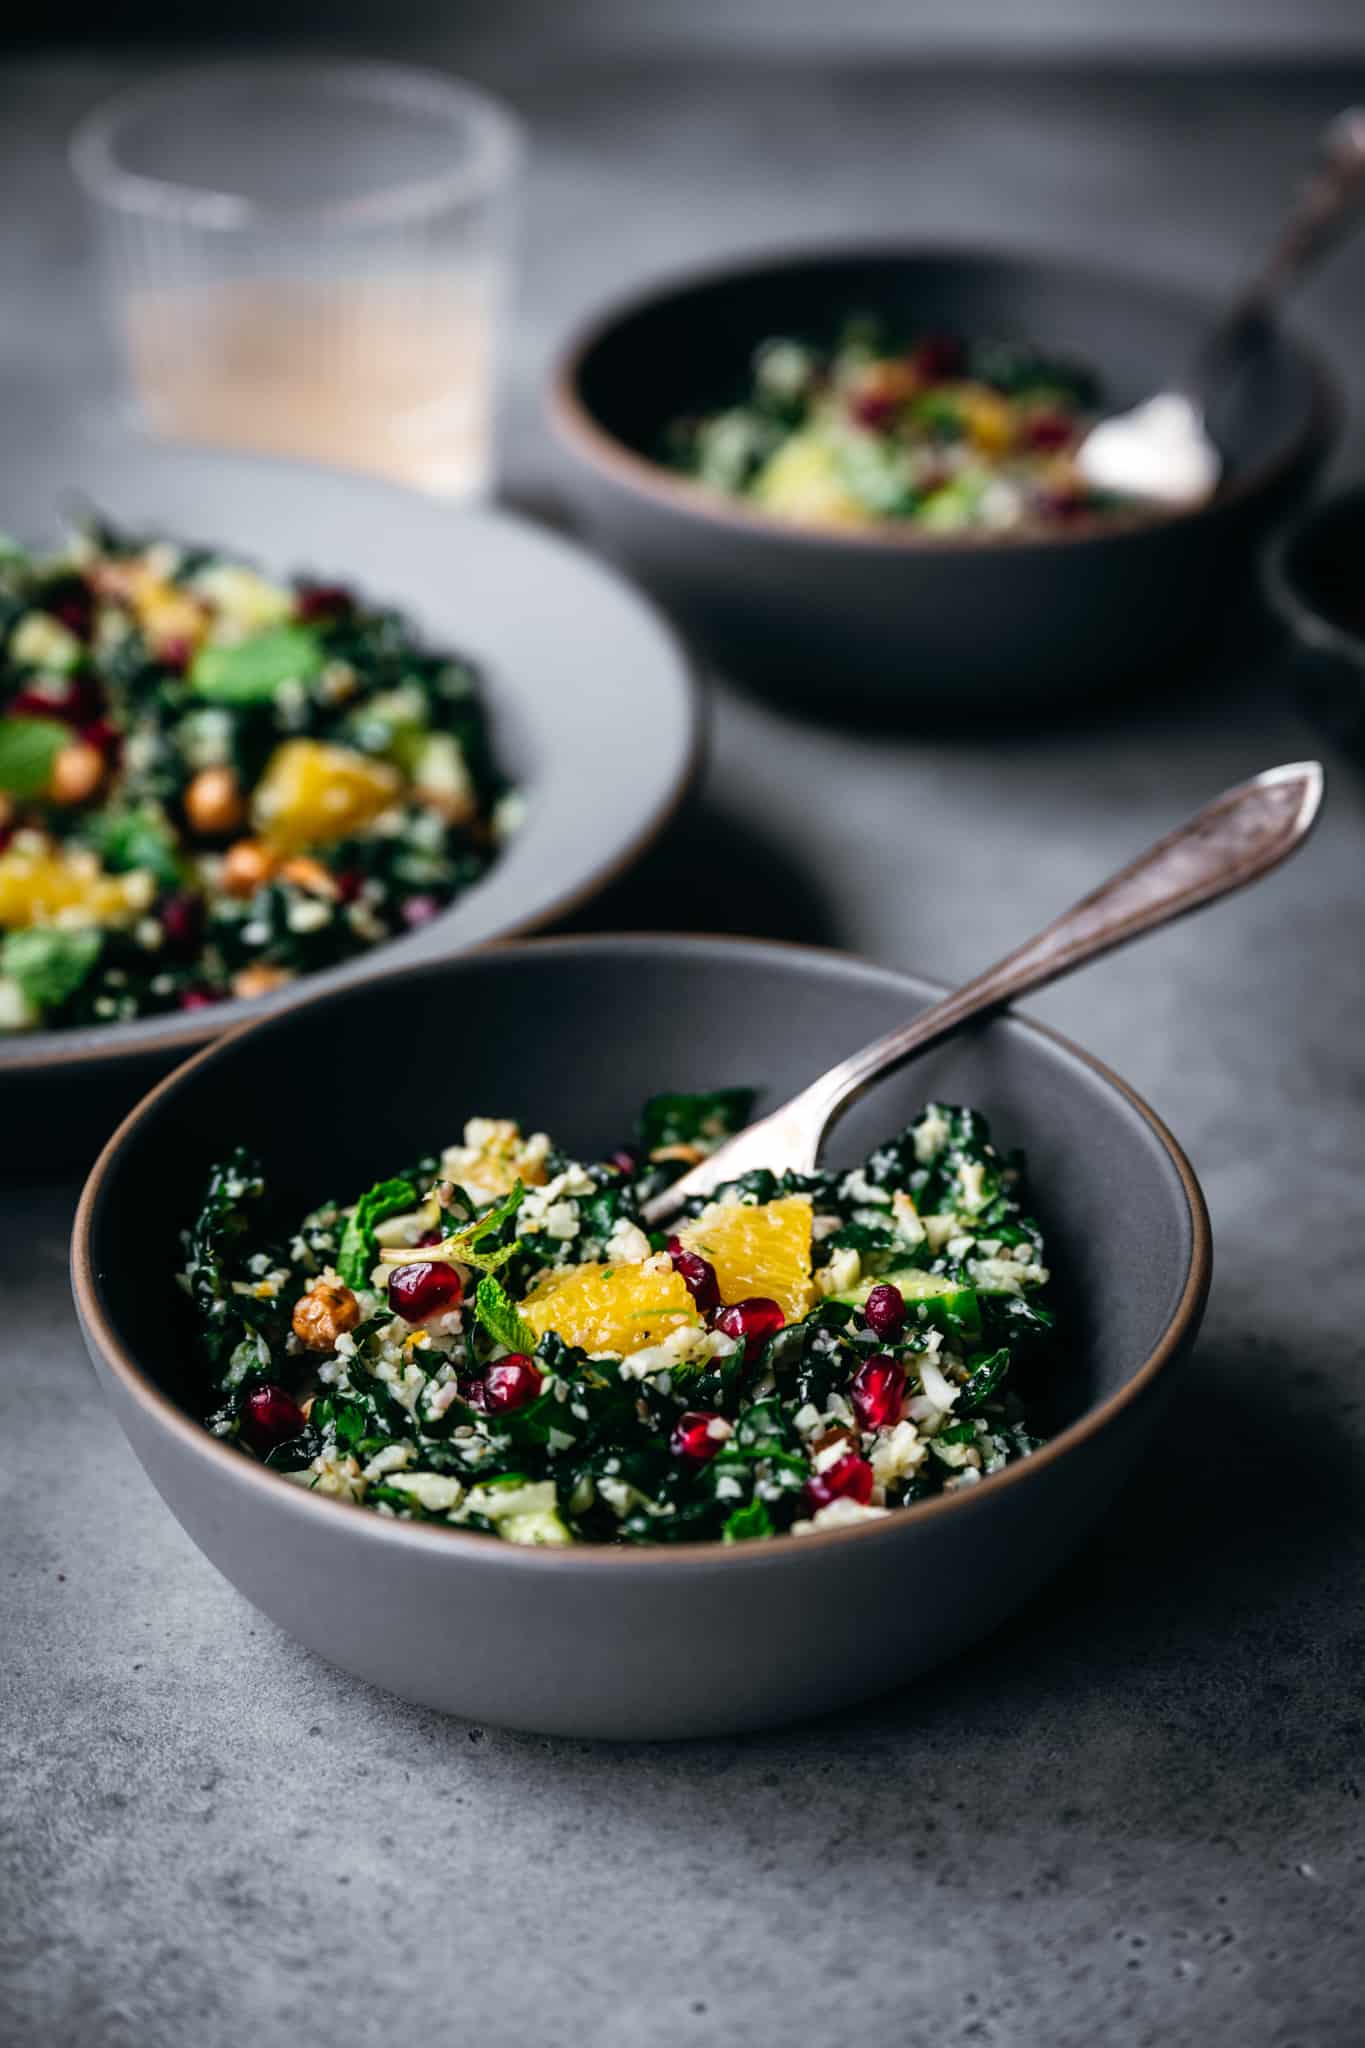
(1135, 1815)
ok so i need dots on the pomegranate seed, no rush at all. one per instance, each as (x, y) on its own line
(753, 1320)
(692, 1438)
(873, 409)
(884, 1311)
(270, 1417)
(103, 734)
(175, 654)
(511, 1383)
(877, 1391)
(432, 1236)
(699, 1276)
(940, 355)
(1048, 430)
(419, 910)
(182, 919)
(73, 604)
(473, 1391)
(198, 998)
(349, 884)
(323, 600)
(421, 1290)
(76, 700)
(622, 1160)
(850, 1478)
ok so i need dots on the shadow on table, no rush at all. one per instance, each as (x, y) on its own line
(711, 872)
(1207, 686)
(1197, 1646)
(1244, 661)
(1204, 1612)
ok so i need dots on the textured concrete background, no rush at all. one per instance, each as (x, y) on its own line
(1135, 1815)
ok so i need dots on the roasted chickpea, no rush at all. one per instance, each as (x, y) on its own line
(309, 874)
(259, 980)
(213, 803)
(247, 866)
(77, 773)
(321, 1315)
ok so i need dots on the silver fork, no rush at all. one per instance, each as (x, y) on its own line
(1236, 839)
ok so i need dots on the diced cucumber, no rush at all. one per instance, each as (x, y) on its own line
(947, 1299)
(541, 1525)
(512, 1495)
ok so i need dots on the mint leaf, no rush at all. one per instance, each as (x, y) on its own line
(49, 965)
(497, 1312)
(28, 748)
(359, 1248)
(251, 672)
(475, 1245)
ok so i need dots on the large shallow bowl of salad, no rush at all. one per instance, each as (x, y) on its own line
(853, 474)
(263, 729)
(404, 1355)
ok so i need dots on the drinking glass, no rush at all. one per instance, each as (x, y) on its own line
(311, 260)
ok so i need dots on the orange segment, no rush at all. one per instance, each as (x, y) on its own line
(611, 1308)
(35, 888)
(988, 418)
(761, 1249)
(313, 793)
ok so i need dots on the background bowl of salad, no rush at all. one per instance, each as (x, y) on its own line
(264, 729)
(849, 473)
(726, 1519)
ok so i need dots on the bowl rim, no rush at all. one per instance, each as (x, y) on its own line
(579, 431)
(474, 1546)
(41, 1052)
(1308, 621)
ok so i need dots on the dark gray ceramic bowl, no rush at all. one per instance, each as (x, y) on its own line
(1315, 578)
(593, 710)
(934, 624)
(572, 1034)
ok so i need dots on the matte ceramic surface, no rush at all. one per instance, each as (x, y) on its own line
(594, 716)
(572, 1035)
(1315, 575)
(931, 622)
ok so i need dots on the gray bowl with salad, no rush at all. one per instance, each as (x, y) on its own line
(411, 1367)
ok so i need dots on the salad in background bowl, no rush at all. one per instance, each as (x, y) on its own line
(938, 433)
(589, 711)
(212, 781)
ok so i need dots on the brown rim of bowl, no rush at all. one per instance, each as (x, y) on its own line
(580, 431)
(1313, 626)
(142, 1389)
(242, 1013)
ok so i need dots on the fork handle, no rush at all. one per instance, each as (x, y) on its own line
(1240, 836)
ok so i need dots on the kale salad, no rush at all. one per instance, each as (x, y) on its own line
(211, 782)
(936, 432)
(493, 1339)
